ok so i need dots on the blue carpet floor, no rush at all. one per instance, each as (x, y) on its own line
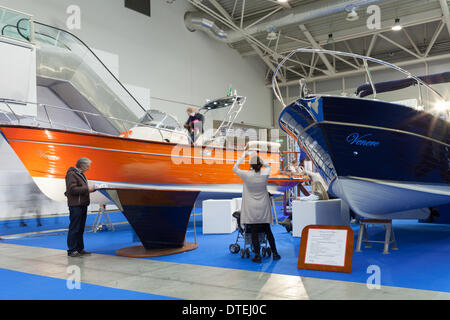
(24, 286)
(421, 262)
(9, 227)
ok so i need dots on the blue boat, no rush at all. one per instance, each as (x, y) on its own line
(385, 160)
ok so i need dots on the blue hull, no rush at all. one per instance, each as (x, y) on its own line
(375, 155)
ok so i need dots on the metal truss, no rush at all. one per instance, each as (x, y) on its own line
(318, 67)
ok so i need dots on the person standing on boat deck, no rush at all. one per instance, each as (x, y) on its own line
(194, 123)
(78, 199)
(256, 212)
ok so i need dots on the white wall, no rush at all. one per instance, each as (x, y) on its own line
(157, 55)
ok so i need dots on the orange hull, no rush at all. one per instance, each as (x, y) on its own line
(48, 153)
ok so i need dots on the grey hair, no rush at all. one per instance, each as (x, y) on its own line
(83, 161)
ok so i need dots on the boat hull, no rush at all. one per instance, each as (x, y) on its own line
(379, 157)
(154, 184)
(126, 163)
(159, 218)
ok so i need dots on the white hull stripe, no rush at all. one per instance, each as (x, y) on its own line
(225, 188)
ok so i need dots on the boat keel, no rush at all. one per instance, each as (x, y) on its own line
(159, 218)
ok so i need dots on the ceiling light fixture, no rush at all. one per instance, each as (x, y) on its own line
(397, 26)
(282, 1)
(441, 106)
(352, 14)
(271, 35)
(330, 39)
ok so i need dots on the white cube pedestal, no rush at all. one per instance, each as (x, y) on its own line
(322, 212)
(217, 216)
(238, 204)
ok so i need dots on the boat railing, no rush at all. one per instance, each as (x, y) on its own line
(229, 118)
(231, 115)
(44, 119)
(10, 16)
(25, 119)
(366, 69)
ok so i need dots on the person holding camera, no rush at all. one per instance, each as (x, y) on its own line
(256, 211)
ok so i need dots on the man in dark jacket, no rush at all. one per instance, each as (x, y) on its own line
(194, 123)
(77, 193)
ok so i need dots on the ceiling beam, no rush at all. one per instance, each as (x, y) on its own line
(263, 18)
(362, 31)
(294, 71)
(434, 38)
(267, 60)
(399, 46)
(297, 40)
(412, 42)
(303, 68)
(222, 11)
(347, 62)
(351, 51)
(372, 44)
(226, 19)
(446, 13)
(315, 45)
(306, 65)
(242, 14)
(314, 60)
(362, 70)
(234, 8)
(257, 47)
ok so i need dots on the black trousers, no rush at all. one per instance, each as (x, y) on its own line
(77, 217)
(255, 229)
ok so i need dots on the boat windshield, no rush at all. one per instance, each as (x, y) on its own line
(159, 119)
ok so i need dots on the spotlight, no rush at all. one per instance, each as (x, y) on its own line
(271, 35)
(330, 39)
(397, 26)
(442, 106)
(282, 1)
(352, 14)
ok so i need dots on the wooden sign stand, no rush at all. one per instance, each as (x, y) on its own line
(326, 248)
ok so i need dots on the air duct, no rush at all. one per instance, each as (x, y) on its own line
(202, 21)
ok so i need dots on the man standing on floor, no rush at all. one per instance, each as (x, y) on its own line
(77, 193)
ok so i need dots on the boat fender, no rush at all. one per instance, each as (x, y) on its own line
(125, 134)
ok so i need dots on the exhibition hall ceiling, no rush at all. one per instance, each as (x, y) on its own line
(270, 29)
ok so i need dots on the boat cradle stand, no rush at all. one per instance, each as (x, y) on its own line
(102, 213)
(388, 239)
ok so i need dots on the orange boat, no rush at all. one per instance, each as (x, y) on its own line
(155, 184)
(125, 162)
(145, 164)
